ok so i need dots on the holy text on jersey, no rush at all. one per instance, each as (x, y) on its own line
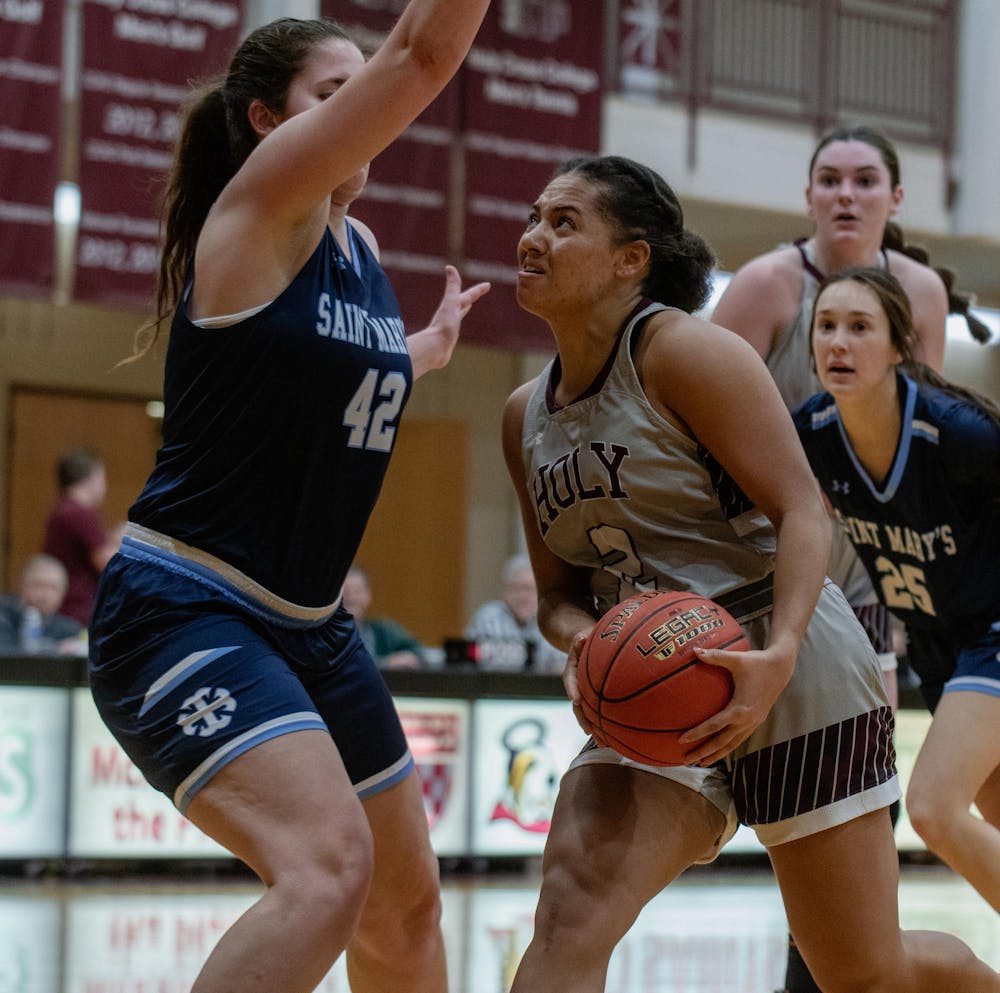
(588, 472)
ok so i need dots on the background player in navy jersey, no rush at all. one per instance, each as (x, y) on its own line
(854, 191)
(911, 466)
(221, 659)
(668, 491)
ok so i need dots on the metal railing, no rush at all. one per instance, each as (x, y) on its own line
(890, 63)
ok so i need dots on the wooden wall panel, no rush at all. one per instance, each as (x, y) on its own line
(43, 425)
(414, 550)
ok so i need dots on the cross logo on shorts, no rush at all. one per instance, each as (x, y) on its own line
(206, 711)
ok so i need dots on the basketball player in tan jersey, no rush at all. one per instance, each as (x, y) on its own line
(646, 456)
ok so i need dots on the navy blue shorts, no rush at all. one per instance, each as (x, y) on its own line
(189, 671)
(945, 663)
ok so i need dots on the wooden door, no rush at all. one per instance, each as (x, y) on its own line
(415, 546)
(46, 423)
(414, 549)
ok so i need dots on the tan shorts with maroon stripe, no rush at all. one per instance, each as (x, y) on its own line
(823, 757)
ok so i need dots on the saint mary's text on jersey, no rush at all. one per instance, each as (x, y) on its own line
(897, 539)
(348, 322)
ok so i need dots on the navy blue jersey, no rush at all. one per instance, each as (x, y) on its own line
(929, 535)
(278, 429)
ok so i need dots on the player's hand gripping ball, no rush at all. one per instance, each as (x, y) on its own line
(641, 684)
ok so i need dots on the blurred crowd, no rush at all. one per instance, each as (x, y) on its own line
(48, 612)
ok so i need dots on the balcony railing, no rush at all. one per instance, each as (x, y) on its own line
(890, 63)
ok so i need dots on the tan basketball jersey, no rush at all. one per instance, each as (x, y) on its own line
(620, 490)
(791, 366)
(790, 358)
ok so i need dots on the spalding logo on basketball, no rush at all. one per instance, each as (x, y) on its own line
(640, 681)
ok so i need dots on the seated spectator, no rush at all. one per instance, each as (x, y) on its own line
(74, 533)
(506, 630)
(391, 645)
(30, 622)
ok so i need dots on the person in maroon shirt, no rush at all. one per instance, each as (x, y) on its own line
(74, 532)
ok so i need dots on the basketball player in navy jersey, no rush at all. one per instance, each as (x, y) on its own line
(911, 466)
(632, 474)
(853, 194)
(220, 657)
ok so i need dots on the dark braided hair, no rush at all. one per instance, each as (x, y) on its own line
(640, 206)
(893, 238)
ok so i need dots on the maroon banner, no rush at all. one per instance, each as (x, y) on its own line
(533, 95)
(408, 200)
(30, 76)
(528, 97)
(138, 62)
(651, 59)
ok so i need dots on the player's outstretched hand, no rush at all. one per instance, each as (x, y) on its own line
(432, 347)
(758, 679)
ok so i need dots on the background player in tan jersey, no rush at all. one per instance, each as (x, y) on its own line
(854, 191)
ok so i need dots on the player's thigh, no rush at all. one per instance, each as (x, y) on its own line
(406, 873)
(961, 752)
(839, 889)
(620, 834)
(286, 803)
(960, 758)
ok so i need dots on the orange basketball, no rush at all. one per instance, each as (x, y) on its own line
(640, 682)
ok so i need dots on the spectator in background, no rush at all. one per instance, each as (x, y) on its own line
(75, 534)
(506, 630)
(30, 622)
(392, 646)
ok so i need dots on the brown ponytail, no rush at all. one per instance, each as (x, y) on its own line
(958, 302)
(216, 139)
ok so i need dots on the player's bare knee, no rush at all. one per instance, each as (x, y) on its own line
(399, 936)
(581, 907)
(413, 910)
(331, 873)
(578, 880)
(928, 819)
(423, 911)
(403, 912)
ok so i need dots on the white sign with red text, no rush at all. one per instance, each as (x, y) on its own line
(114, 812)
(690, 938)
(157, 940)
